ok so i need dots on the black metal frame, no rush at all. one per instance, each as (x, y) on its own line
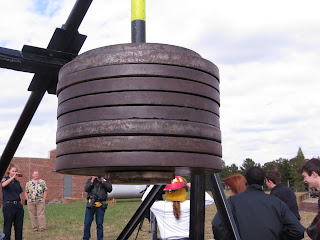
(65, 45)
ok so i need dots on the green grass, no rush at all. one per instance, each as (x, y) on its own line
(65, 221)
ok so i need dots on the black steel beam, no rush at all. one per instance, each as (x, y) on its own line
(197, 207)
(223, 206)
(19, 130)
(140, 213)
(67, 40)
(34, 59)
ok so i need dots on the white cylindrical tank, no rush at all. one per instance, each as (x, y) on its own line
(126, 191)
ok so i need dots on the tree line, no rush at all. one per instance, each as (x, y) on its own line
(289, 169)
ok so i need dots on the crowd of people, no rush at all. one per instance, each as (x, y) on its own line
(257, 215)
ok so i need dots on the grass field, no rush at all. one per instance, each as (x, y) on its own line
(65, 221)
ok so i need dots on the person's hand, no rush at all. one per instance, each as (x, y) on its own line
(16, 175)
(93, 178)
(102, 180)
(188, 185)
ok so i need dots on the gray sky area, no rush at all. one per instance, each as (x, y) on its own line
(268, 54)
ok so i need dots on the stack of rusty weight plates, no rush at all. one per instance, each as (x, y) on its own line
(138, 113)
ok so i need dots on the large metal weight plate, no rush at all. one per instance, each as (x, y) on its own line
(165, 84)
(138, 98)
(98, 163)
(151, 127)
(140, 53)
(138, 113)
(136, 70)
(139, 143)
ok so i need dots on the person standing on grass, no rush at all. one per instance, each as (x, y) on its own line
(36, 194)
(97, 189)
(284, 193)
(259, 215)
(173, 214)
(311, 175)
(12, 208)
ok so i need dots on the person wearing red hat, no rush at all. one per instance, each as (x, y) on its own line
(173, 214)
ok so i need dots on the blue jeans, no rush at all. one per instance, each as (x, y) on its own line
(90, 212)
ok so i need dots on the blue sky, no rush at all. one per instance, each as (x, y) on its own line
(268, 54)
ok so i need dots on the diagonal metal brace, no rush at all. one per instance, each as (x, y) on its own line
(223, 206)
(155, 192)
(65, 40)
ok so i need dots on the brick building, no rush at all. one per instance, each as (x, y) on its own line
(59, 185)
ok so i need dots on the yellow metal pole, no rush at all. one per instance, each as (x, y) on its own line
(138, 24)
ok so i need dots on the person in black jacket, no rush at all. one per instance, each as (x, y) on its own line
(284, 193)
(12, 209)
(97, 189)
(259, 215)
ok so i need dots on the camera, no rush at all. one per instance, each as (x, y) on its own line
(91, 202)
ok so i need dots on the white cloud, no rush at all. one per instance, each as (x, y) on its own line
(267, 53)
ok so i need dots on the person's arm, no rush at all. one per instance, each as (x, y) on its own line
(219, 232)
(291, 225)
(45, 195)
(6, 182)
(89, 184)
(26, 192)
(26, 196)
(313, 230)
(208, 199)
(106, 185)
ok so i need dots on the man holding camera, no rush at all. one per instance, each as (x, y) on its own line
(97, 189)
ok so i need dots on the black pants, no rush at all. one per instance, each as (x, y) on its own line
(13, 214)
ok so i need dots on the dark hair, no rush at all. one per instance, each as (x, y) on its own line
(312, 165)
(274, 176)
(255, 175)
(236, 182)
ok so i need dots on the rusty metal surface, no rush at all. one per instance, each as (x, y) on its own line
(164, 84)
(139, 143)
(138, 127)
(143, 108)
(140, 177)
(139, 112)
(138, 98)
(99, 163)
(137, 70)
(151, 53)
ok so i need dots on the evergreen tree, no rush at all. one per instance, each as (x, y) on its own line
(296, 164)
(248, 163)
(269, 166)
(284, 168)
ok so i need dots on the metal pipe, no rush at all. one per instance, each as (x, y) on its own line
(138, 24)
(73, 22)
(197, 207)
(19, 130)
(77, 14)
(155, 192)
(223, 206)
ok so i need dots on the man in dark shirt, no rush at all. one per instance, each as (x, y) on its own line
(259, 215)
(284, 193)
(311, 175)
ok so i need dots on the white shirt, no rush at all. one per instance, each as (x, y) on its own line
(169, 226)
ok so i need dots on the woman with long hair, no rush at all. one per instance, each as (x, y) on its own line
(173, 214)
(236, 183)
(12, 208)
